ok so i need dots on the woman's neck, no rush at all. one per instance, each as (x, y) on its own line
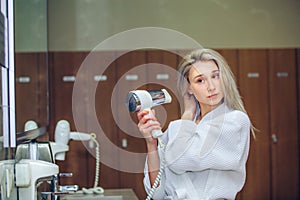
(206, 109)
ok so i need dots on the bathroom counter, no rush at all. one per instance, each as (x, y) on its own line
(109, 194)
(127, 194)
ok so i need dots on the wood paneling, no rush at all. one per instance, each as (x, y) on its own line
(131, 75)
(283, 118)
(65, 65)
(31, 90)
(253, 81)
(268, 85)
(100, 76)
(231, 56)
(162, 74)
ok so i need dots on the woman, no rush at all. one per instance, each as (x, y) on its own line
(205, 152)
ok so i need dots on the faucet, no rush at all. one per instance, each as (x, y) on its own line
(56, 190)
(63, 188)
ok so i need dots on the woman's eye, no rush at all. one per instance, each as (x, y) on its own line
(216, 76)
(200, 80)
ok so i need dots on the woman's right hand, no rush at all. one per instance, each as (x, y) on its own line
(146, 124)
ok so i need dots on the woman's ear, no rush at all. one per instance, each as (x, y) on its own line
(189, 90)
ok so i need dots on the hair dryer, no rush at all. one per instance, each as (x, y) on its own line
(63, 134)
(138, 100)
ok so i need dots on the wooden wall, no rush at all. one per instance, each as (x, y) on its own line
(31, 89)
(268, 80)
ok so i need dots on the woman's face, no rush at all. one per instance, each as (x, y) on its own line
(204, 78)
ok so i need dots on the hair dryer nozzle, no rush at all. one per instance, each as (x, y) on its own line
(132, 102)
(142, 99)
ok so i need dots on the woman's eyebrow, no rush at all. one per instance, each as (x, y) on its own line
(199, 75)
(214, 71)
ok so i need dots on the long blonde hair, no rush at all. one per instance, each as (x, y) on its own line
(232, 96)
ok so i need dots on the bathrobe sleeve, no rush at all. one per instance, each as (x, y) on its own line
(220, 143)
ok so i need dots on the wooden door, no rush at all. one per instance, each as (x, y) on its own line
(31, 90)
(231, 56)
(253, 81)
(100, 73)
(284, 129)
(131, 75)
(162, 74)
(64, 67)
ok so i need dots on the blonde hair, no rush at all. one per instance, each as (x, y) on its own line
(232, 96)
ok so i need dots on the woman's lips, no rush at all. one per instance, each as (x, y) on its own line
(212, 96)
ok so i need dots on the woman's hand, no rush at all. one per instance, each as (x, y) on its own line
(189, 102)
(146, 124)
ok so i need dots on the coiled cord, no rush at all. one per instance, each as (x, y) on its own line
(96, 189)
(158, 177)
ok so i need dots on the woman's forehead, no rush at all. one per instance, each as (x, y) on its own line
(203, 67)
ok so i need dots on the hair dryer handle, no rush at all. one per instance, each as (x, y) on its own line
(155, 133)
(62, 136)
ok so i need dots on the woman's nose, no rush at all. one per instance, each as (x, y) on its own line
(210, 85)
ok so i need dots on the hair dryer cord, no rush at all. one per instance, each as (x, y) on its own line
(158, 177)
(96, 189)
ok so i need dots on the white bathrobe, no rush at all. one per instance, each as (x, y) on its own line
(205, 160)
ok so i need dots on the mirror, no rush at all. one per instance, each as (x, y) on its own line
(31, 63)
